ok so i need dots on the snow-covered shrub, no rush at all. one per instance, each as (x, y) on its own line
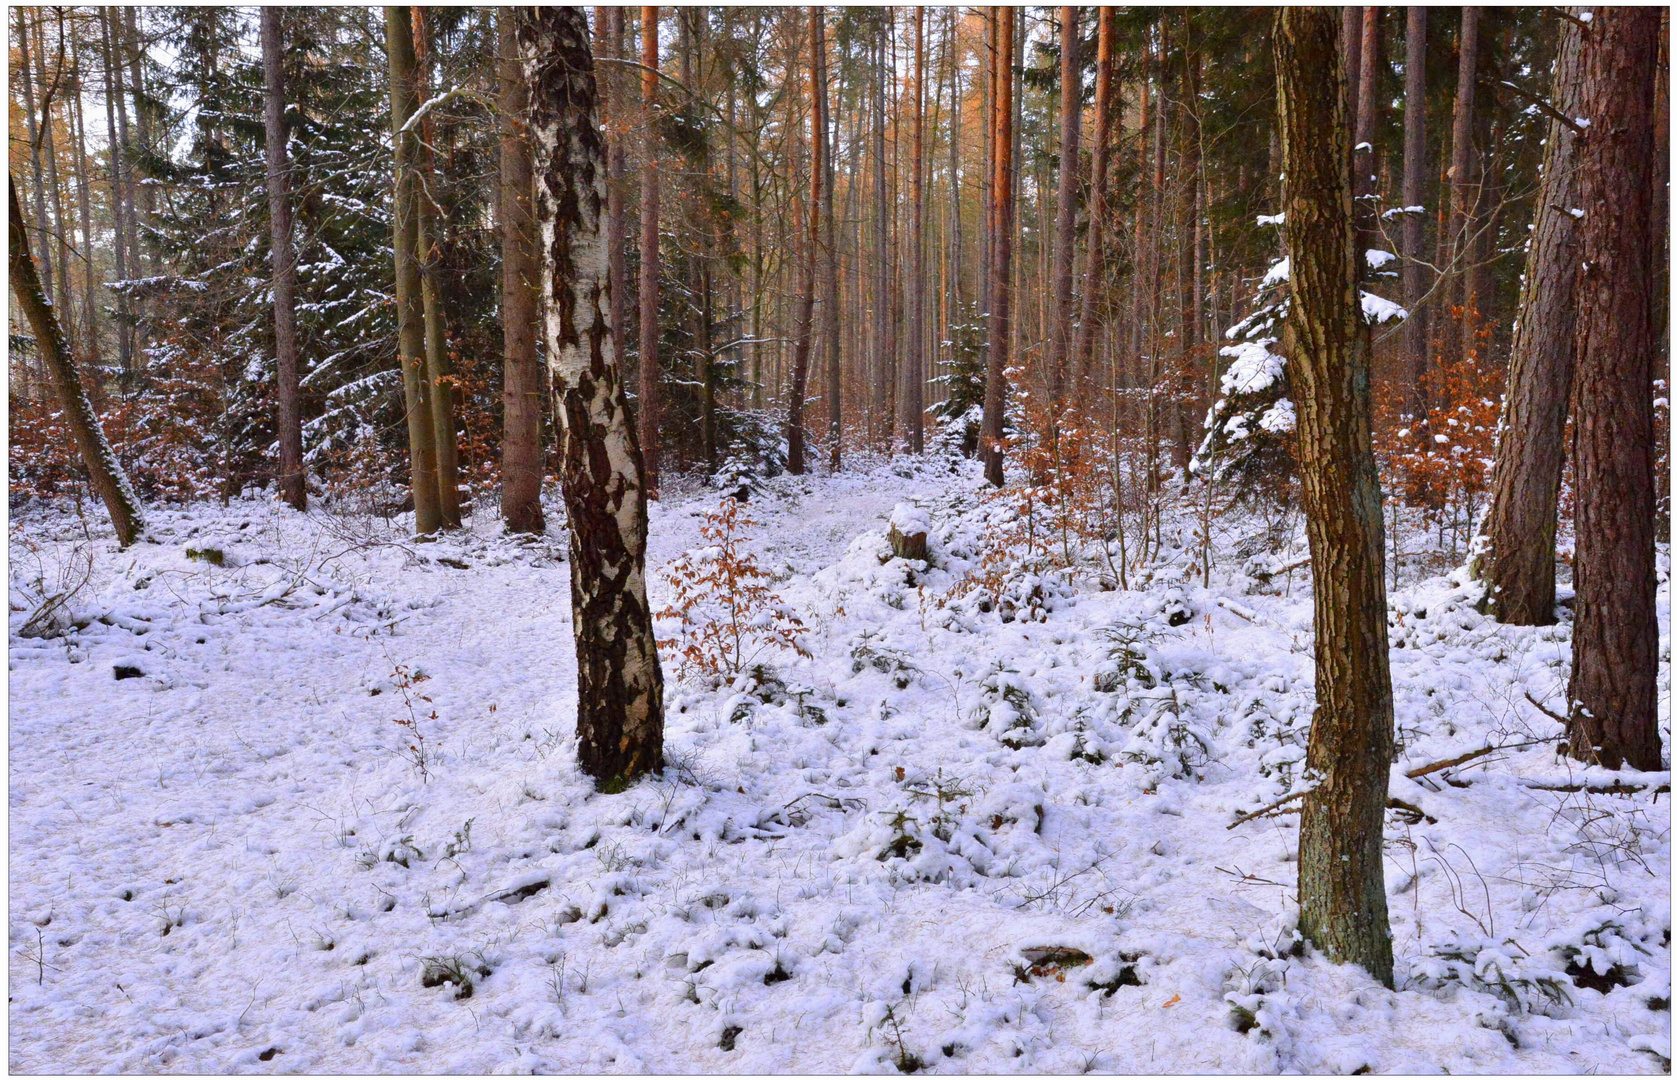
(1503, 969)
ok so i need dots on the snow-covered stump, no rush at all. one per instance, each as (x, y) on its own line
(909, 528)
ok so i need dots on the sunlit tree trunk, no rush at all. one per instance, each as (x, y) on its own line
(1342, 893)
(620, 686)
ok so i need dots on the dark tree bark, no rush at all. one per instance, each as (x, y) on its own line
(410, 311)
(1065, 213)
(1518, 559)
(523, 380)
(914, 357)
(885, 367)
(650, 411)
(291, 474)
(1342, 894)
(1415, 274)
(1094, 266)
(439, 368)
(1362, 147)
(1615, 637)
(829, 260)
(104, 472)
(1187, 264)
(1351, 44)
(1001, 251)
(620, 686)
(805, 330)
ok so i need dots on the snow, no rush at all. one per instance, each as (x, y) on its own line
(910, 520)
(1252, 367)
(1281, 271)
(229, 861)
(1379, 310)
(1377, 258)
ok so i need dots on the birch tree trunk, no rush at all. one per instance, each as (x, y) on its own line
(291, 474)
(620, 686)
(104, 472)
(1518, 559)
(1615, 637)
(1342, 893)
(410, 311)
(522, 376)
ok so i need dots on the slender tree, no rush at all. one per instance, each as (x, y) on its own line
(1362, 148)
(829, 256)
(1094, 266)
(1065, 212)
(1462, 198)
(439, 367)
(651, 380)
(1342, 894)
(620, 686)
(914, 357)
(805, 329)
(522, 376)
(1001, 249)
(104, 472)
(1614, 714)
(291, 476)
(410, 311)
(1518, 559)
(1415, 272)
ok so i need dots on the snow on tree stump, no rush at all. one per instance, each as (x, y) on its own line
(909, 527)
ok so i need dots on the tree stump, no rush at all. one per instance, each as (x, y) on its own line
(909, 527)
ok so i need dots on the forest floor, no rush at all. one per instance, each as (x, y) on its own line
(961, 836)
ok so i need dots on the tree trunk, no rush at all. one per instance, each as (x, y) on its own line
(1065, 213)
(829, 261)
(1001, 251)
(291, 475)
(1461, 167)
(620, 686)
(617, 167)
(884, 365)
(1342, 893)
(650, 413)
(1518, 560)
(104, 472)
(439, 368)
(522, 375)
(1615, 637)
(1362, 149)
(116, 134)
(410, 312)
(1351, 45)
(1188, 269)
(1415, 274)
(142, 130)
(84, 202)
(805, 331)
(914, 357)
(1094, 266)
(36, 132)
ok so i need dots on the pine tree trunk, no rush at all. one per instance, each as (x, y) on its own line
(410, 311)
(1188, 270)
(1518, 560)
(1615, 637)
(439, 367)
(60, 228)
(620, 686)
(104, 472)
(142, 131)
(291, 475)
(1094, 266)
(1362, 147)
(522, 376)
(1415, 274)
(805, 329)
(1351, 46)
(1461, 168)
(884, 366)
(1342, 894)
(1001, 253)
(650, 411)
(914, 357)
(829, 263)
(1065, 212)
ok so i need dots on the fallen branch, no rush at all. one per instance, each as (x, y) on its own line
(1440, 766)
(1556, 717)
(1270, 809)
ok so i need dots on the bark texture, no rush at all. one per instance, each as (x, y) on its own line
(1518, 559)
(410, 310)
(1615, 638)
(1001, 251)
(291, 487)
(1342, 894)
(523, 381)
(620, 686)
(104, 472)
(439, 366)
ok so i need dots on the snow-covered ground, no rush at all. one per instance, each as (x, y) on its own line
(943, 841)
